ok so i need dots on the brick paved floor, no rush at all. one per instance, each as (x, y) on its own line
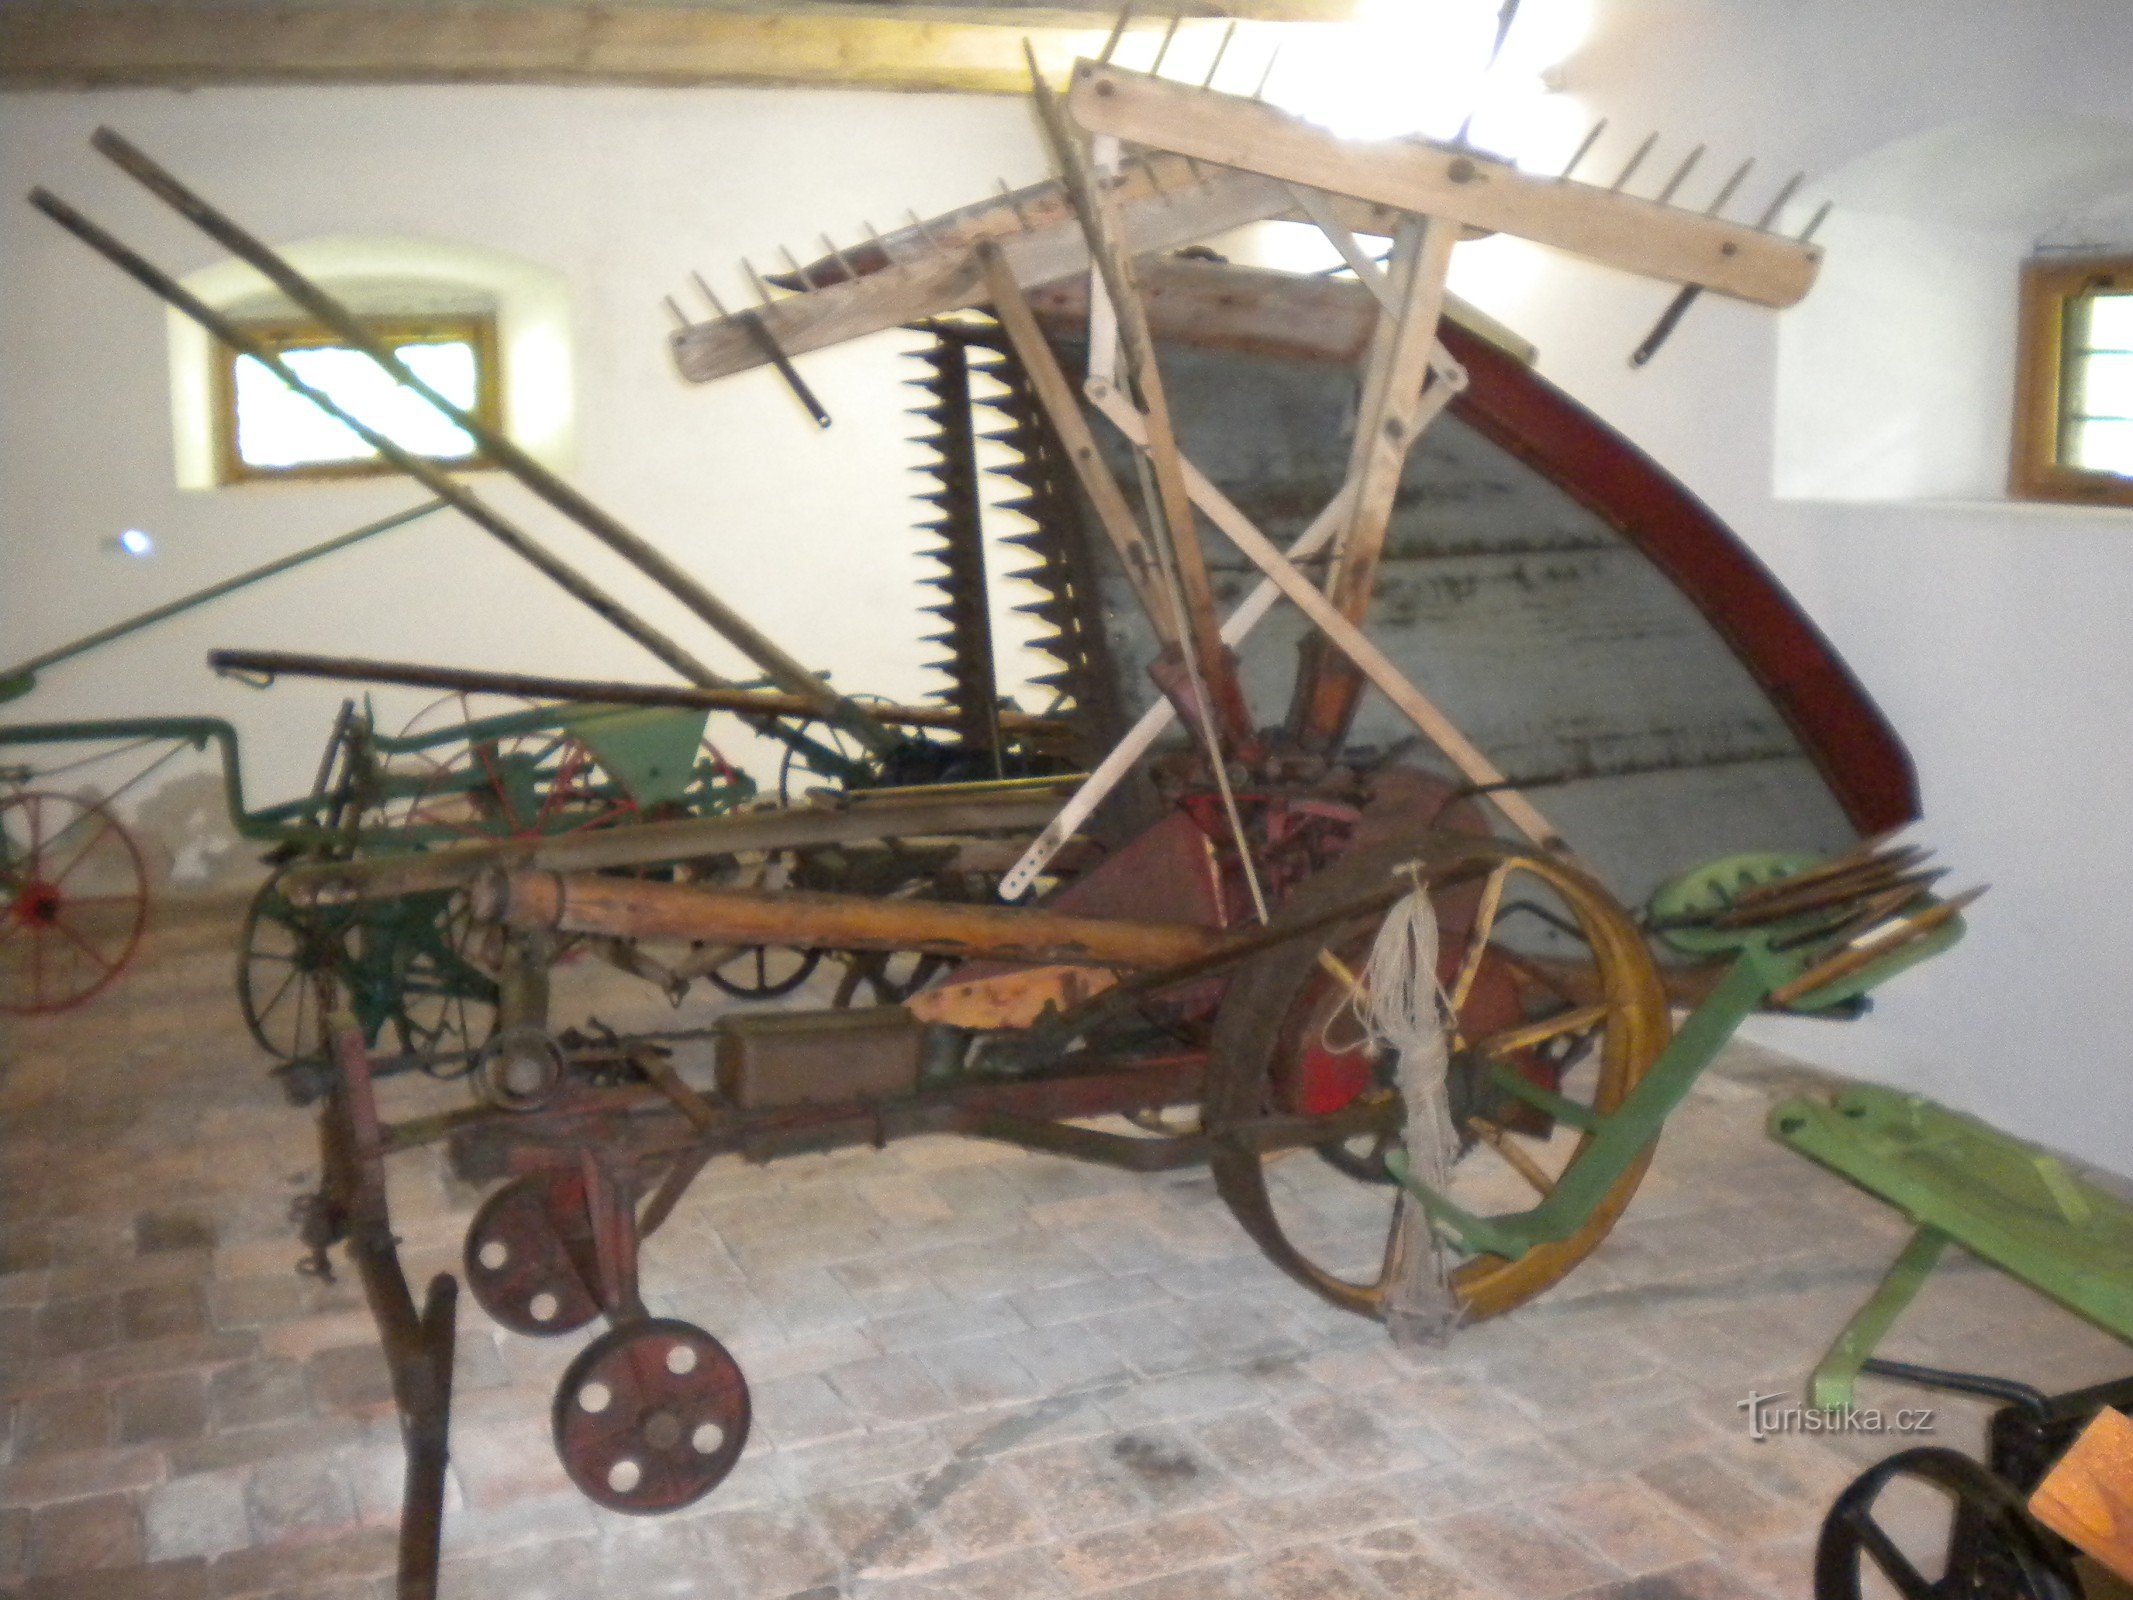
(977, 1372)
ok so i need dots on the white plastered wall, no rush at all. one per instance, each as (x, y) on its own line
(1993, 636)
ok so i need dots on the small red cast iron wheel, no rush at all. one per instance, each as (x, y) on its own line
(73, 901)
(651, 1416)
(529, 1254)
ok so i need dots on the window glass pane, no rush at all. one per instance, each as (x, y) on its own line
(2101, 447)
(2101, 386)
(278, 428)
(2108, 323)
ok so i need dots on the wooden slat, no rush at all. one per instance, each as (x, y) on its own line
(878, 46)
(929, 279)
(1619, 230)
(2087, 1498)
(1056, 394)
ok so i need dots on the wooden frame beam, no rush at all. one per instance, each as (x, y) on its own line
(1477, 191)
(975, 49)
(931, 270)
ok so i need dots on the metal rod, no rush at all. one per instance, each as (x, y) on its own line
(427, 473)
(1777, 201)
(1680, 172)
(1725, 190)
(793, 264)
(1635, 162)
(710, 294)
(850, 273)
(787, 670)
(215, 591)
(1267, 76)
(1221, 49)
(1169, 33)
(762, 289)
(674, 311)
(420, 675)
(1118, 31)
(1592, 137)
(1814, 223)
(1014, 202)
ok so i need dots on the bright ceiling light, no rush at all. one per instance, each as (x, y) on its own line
(1431, 67)
(134, 542)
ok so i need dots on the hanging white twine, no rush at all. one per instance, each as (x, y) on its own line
(1402, 1007)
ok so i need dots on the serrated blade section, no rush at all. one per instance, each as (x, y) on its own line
(953, 535)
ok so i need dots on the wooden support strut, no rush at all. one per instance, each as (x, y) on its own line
(1179, 533)
(641, 909)
(1434, 725)
(1328, 686)
(1056, 394)
(1477, 191)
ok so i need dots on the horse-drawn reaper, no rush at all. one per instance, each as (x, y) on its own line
(1338, 908)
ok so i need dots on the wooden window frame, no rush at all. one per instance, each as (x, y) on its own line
(2040, 367)
(476, 328)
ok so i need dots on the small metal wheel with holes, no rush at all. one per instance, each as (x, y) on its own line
(1994, 1549)
(651, 1416)
(1549, 983)
(73, 900)
(529, 1254)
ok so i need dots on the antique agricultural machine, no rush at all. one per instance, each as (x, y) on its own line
(1374, 963)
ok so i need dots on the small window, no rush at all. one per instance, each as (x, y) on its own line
(2074, 411)
(267, 430)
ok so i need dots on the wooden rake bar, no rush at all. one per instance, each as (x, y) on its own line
(1477, 191)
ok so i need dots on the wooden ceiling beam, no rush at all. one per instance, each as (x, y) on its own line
(974, 49)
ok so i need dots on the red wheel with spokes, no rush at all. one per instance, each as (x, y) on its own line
(73, 900)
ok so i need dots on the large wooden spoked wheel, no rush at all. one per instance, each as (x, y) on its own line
(73, 901)
(1287, 1043)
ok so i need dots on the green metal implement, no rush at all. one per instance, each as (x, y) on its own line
(280, 823)
(1778, 961)
(1962, 1182)
(19, 679)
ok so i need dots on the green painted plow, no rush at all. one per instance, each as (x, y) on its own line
(1961, 1182)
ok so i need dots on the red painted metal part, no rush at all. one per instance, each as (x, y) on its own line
(1852, 746)
(530, 1257)
(651, 1415)
(73, 901)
